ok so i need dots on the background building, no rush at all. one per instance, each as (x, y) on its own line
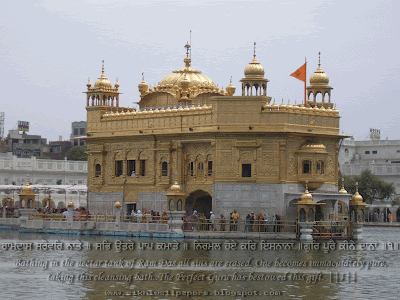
(26, 145)
(223, 152)
(41, 171)
(381, 157)
(78, 131)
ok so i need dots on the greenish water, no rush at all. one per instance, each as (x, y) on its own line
(196, 274)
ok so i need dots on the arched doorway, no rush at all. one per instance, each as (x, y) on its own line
(200, 201)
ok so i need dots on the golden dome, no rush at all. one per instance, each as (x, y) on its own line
(88, 84)
(357, 197)
(118, 205)
(116, 85)
(27, 188)
(143, 86)
(195, 78)
(254, 69)
(306, 197)
(103, 81)
(274, 106)
(70, 204)
(230, 89)
(282, 106)
(176, 187)
(319, 77)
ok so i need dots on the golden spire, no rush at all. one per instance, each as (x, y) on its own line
(342, 191)
(254, 50)
(102, 68)
(187, 59)
(319, 59)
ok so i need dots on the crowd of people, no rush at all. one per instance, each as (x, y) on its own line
(79, 214)
(149, 216)
(252, 223)
(11, 212)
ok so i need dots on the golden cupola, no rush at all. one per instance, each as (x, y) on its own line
(319, 85)
(254, 83)
(103, 93)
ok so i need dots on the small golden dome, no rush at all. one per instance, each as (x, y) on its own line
(116, 85)
(274, 106)
(289, 106)
(357, 197)
(103, 81)
(88, 84)
(176, 187)
(230, 89)
(118, 205)
(302, 107)
(306, 197)
(254, 69)
(319, 77)
(27, 188)
(70, 204)
(282, 106)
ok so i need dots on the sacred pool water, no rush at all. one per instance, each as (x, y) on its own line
(53, 267)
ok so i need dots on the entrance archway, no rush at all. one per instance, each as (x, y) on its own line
(200, 201)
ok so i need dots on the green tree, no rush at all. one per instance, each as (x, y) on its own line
(370, 186)
(77, 153)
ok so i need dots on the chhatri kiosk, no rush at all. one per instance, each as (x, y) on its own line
(225, 152)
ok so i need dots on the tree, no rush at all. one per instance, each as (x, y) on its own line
(370, 186)
(77, 153)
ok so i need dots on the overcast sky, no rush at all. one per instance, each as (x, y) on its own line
(49, 48)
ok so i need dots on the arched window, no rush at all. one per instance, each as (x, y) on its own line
(346, 150)
(200, 169)
(97, 170)
(311, 215)
(171, 204)
(340, 208)
(179, 205)
(320, 167)
(302, 215)
(164, 169)
(306, 167)
(191, 168)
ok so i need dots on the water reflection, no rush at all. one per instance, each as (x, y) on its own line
(279, 274)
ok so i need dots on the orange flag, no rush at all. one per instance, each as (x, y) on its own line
(300, 73)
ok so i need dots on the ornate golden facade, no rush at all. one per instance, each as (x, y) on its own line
(226, 152)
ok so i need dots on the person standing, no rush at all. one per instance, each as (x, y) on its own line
(212, 221)
(235, 217)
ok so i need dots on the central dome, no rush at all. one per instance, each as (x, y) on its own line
(195, 78)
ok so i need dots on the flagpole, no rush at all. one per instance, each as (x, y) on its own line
(305, 85)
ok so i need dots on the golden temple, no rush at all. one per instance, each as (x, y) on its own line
(194, 146)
